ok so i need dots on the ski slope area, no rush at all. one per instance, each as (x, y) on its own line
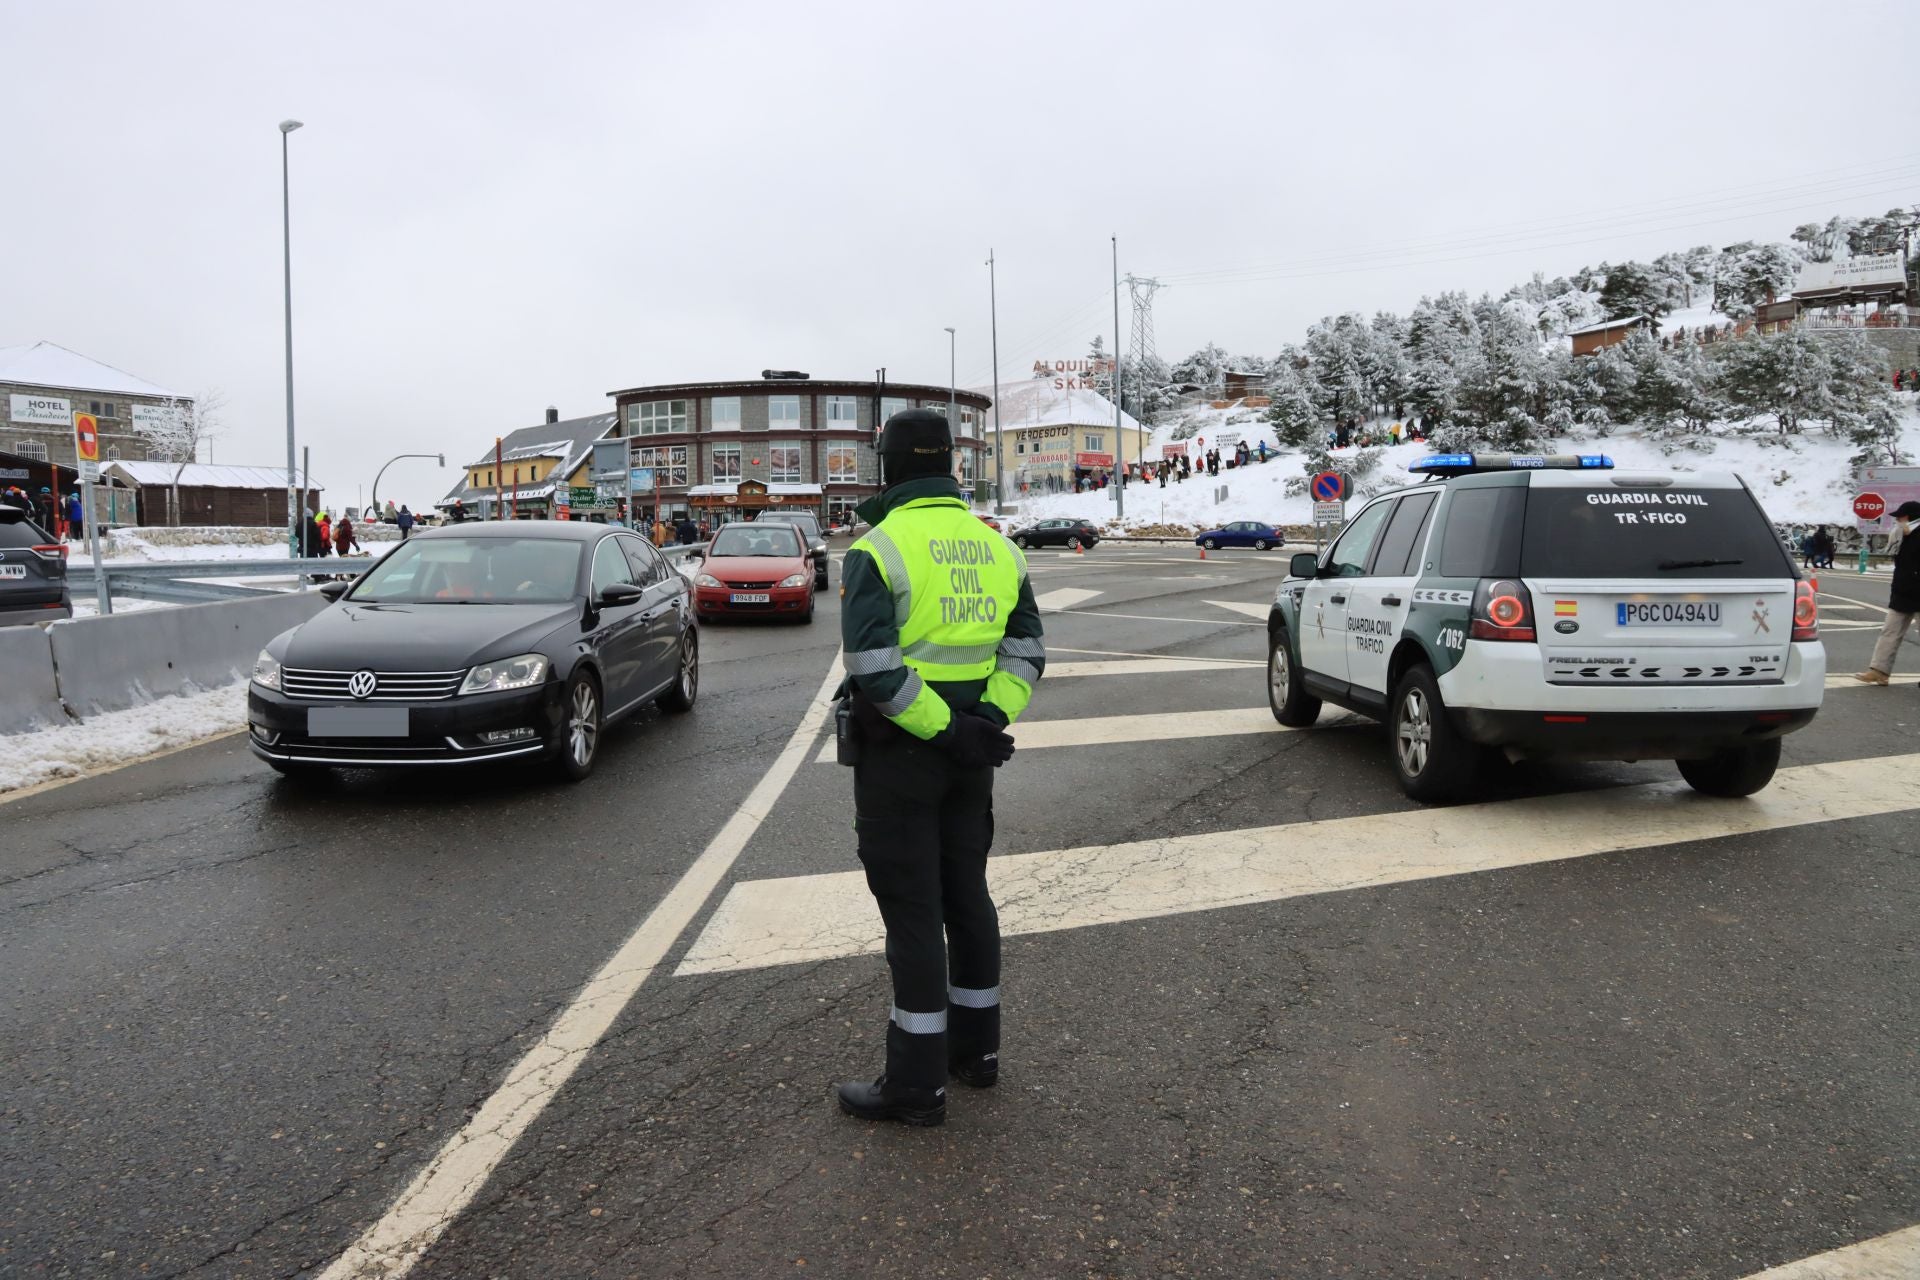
(1798, 479)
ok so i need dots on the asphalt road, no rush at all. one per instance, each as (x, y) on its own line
(1265, 1017)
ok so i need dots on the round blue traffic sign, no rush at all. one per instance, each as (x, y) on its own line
(1329, 486)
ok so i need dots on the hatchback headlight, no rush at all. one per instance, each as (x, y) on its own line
(794, 580)
(509, 673)
(707, 580)
(266, 671)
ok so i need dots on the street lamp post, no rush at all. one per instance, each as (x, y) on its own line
(999, 437)
(951, 371)
(441, 457)
(286, 262)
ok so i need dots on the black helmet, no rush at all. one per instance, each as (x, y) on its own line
(916, 442)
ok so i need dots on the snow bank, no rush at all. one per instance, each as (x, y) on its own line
(68, 751)
(1799, 479)
(141, 544)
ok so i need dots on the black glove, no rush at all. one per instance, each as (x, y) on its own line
(975, 742)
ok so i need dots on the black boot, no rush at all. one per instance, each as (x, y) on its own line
(981, 1071)
(884, 1101)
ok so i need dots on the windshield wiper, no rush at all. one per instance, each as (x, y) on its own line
(1695, 564)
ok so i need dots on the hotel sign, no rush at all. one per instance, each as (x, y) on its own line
(45, 411)
(1073, 375)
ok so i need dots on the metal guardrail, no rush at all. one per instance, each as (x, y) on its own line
(185, 581)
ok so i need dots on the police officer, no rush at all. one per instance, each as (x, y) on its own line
(943, 647)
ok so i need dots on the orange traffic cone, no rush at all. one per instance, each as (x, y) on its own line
(1079, 550)
(1203, 553)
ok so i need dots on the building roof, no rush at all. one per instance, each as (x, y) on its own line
(971, 396)
(204, 475)
(1604, 325)
(43, 364)
(570, 441)
(1038, 403)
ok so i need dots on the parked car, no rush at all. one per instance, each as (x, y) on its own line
(762, 569)
(1554, 608)
(479, 642)
(809, 526)
(1057, 533)
(1241, 533)
(33, 571)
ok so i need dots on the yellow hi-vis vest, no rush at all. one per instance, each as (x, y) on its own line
(954, 583)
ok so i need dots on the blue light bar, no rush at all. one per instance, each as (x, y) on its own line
(1466, 464)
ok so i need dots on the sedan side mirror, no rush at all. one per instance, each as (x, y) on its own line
(1304, 564)
(622, 593)
(334, 590)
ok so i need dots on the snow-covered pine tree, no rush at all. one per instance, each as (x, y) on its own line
(1633, 290)
(1295, 420)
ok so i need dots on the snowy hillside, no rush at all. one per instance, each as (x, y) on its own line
(1799, 479)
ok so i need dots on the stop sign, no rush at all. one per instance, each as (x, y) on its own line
(1869, 506)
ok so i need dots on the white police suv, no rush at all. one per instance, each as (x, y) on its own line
(1555, 607)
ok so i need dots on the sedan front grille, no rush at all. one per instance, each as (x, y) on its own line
(389, 686)
(748, 586)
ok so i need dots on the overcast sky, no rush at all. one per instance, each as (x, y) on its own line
(499, 207)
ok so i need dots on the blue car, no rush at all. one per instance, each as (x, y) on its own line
(1241, 533)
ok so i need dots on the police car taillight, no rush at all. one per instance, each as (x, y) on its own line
(1806, 612)
(1502, 610)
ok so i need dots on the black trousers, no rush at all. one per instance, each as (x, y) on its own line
(925, 826)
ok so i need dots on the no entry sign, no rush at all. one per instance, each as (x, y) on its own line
(1329, 486)
(1869, 506)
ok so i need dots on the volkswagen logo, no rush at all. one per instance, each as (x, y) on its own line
(361, 684)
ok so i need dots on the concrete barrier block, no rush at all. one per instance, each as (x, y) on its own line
(29, 698)
(128, 659)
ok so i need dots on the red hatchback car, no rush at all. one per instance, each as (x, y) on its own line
(755, 570)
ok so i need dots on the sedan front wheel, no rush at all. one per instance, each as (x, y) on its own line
(580, 724)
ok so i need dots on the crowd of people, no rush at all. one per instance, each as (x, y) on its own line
(1353, 432)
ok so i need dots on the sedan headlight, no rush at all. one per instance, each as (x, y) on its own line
(266, 671)
(707, 580)
(509, 673)
(794, 580)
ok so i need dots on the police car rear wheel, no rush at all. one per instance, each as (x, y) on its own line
(1738, 772)
(1287, 696)
(1435, 764)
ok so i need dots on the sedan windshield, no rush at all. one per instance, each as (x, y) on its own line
(757, 540)
(473, 571)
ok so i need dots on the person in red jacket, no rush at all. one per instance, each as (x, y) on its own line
(343, 539)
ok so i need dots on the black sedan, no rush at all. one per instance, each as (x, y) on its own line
(1072, 534)
(33, 571)
(476, 642)
(810, 533)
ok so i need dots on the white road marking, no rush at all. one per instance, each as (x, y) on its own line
(1857, 604)
(1850, 624)
(1138, 667)
(1147, 617)
(1259, 611)
(1122, 653)
(1100, 731)
(1065, 597)
(437, 1195)
(803, 918)
(1894, 1256)
(1848, 682)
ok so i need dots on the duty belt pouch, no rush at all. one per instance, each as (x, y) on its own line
(846, 732)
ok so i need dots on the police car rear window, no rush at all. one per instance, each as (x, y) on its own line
(1482, 537)
(1672, 532)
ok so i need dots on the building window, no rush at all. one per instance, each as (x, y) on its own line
(843, 412)
(840, 510)
(783, 413)
(668, 461)
(784, 460)
(1096, 443)
(966, 420)
(966, 468)
(890, 406)
(113, 453)
(109, 412)
(726, 413)
(35, 449)
(93, 407)
(843, 464)
(659, 417)
(726, 461)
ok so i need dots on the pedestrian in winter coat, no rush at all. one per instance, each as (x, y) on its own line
(687, 531)
(405, 521)
(343, 539)
(76, 518)
(1903, 604)
(1823, 548)
(324, 524)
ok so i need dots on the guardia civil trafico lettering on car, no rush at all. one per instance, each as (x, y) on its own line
(1554, 607)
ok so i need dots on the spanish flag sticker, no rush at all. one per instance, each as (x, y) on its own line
(1566, 608)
